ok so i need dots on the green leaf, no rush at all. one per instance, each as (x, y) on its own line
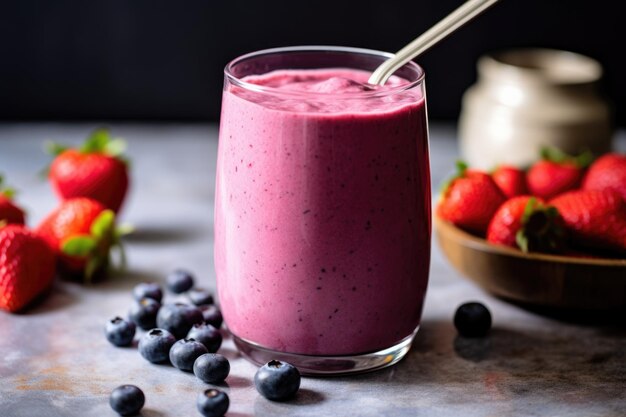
(461, 168)
(529, 209)
(521, 240)
(103, 224)
(541, 229)
(101, 141)
(552, 212)
(6, 191)
(54, 148)
(115, 147)
(552, 154)
(79, 246)
(124, 229)
(93, 264)
(97, 141)
(584, 159)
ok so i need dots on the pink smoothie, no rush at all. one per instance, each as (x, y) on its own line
(322, 217)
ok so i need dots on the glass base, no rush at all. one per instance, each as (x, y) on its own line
(313, 365)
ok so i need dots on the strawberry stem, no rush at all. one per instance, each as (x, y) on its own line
(95, 247)
(521, 240)
(93, 264)
(54, 148)
(556, 155)
(461, 169)
(123, 259)
(540, 229)
(99, 141)
(529, 209)
(102, 227)
(549, 153)
(584, 159)
(79, 246)
(6, 191)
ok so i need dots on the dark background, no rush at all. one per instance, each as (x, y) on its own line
(163, 60)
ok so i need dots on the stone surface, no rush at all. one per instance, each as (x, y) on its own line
(55, 360)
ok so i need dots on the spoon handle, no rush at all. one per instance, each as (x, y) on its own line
(466, 12)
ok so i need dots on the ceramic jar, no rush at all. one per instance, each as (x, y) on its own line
(526, 99)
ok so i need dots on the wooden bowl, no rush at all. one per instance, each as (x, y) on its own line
(536, 279)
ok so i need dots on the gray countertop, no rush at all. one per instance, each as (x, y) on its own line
(55, 361)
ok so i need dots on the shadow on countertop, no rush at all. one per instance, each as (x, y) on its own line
(58, 296)
(151, 234)
(610, 318)
(512, 362)
(304, 397)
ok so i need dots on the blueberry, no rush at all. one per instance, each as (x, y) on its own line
(472, 320)
(127, 400)
(120, 332)
(206, 334)
(212, 315)
(143, 313)
(212, 403)
(178, 318)
(199, 296)
(148, 290)
(211, 368)
(179, 281)
(155, 345)
(277, 381)
(185, 352)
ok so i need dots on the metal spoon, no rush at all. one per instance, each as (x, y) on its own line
(466, 12)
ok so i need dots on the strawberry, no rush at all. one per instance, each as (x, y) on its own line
(595, 219)
(95, 170)
(511, 180)
(607, 172)
(26, 267)
(556, 173)
(527, 223)
(9, 212)
(82, 231)
(469, 199)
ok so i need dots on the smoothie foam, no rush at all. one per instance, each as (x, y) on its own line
(322, 220)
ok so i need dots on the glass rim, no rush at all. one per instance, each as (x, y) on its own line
(321, 48)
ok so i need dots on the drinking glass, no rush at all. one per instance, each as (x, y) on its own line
(323, 210)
